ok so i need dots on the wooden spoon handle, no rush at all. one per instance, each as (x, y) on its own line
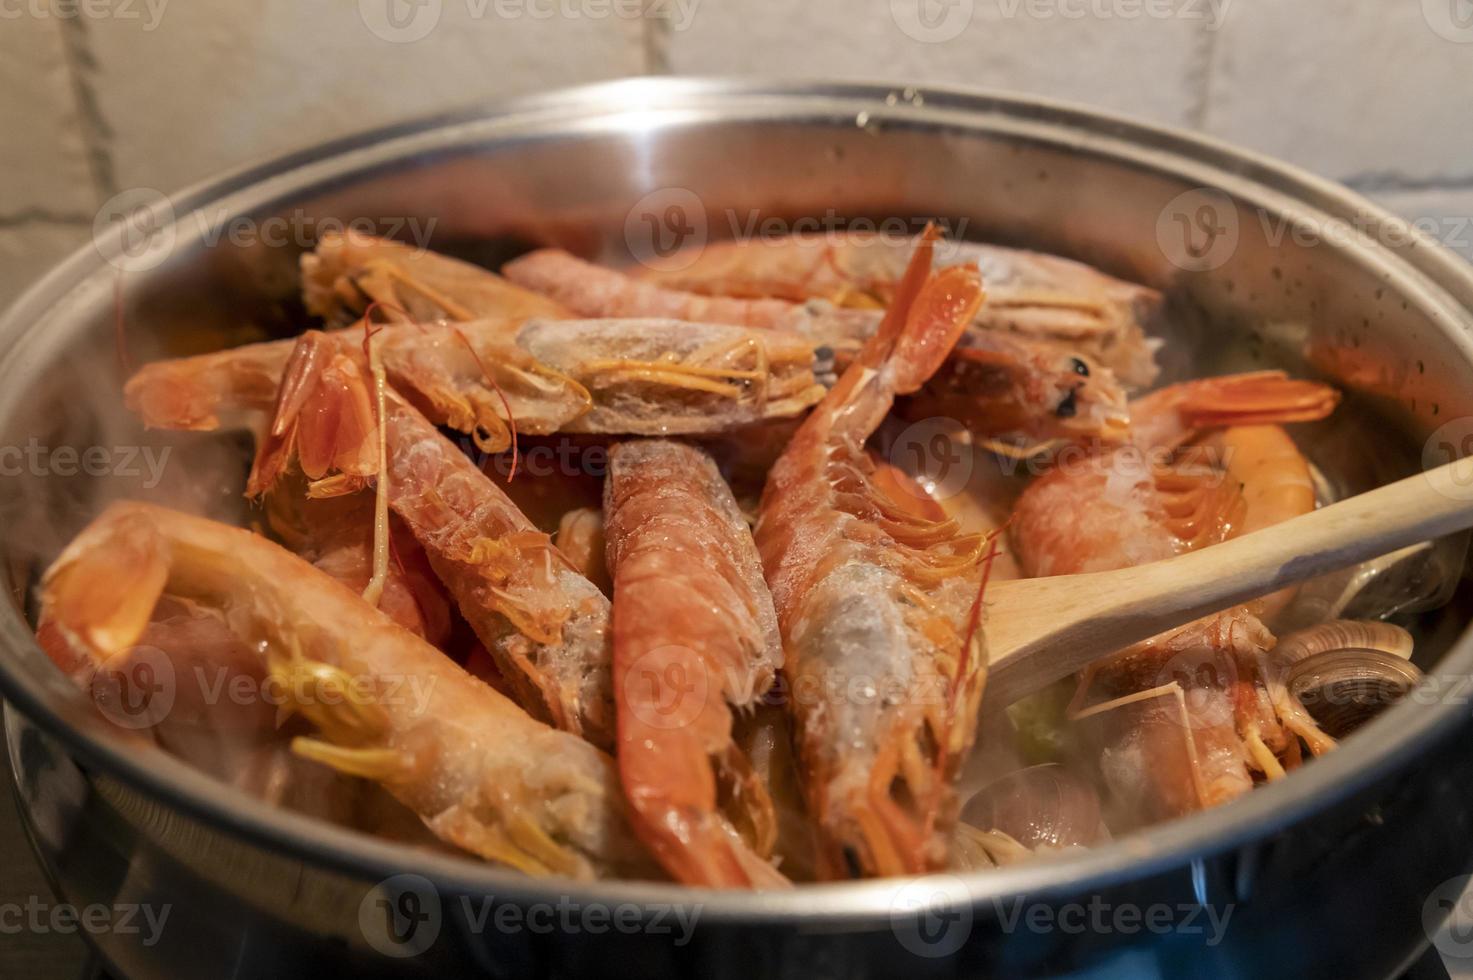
(1039, 630)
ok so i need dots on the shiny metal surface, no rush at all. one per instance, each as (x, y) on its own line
(1325, 873)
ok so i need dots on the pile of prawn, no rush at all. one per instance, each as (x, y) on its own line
(754, 652)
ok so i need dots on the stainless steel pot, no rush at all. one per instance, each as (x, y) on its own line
(1328, 873)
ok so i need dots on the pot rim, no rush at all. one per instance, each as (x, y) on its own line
(1423, 268)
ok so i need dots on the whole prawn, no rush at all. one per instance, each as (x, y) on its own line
(695, 636)
(350, 271)
(867, 594)
(1195, 714)
(1014, 391)
(479, 772)
(543, 623)
(1030, 293)
(543, 376)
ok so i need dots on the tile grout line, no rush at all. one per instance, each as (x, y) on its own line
(96, 133)
(655, 40)
(43, 216)
(1200, 75)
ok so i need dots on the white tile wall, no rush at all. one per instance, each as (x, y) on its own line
(1139, 65)
(160, 93)
(1369, 87)
(220, 82)
(43, 157)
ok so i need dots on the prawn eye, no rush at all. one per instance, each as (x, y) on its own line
(1069, 406)
(1080, 368)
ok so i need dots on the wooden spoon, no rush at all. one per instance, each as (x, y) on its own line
(1042, 629)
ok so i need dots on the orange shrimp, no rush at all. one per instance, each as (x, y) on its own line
(543, 622)
(580, 537)
(695, 635)
(1195, 713)
(479, 772)
(870, 597)
(348, 272)
(336, 535)
(1013, 390)
(597, 376)
(1030, 293)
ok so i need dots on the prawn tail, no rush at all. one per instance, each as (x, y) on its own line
(1199, 505)
(1255, 398)
(925, 319)
(101, 593)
